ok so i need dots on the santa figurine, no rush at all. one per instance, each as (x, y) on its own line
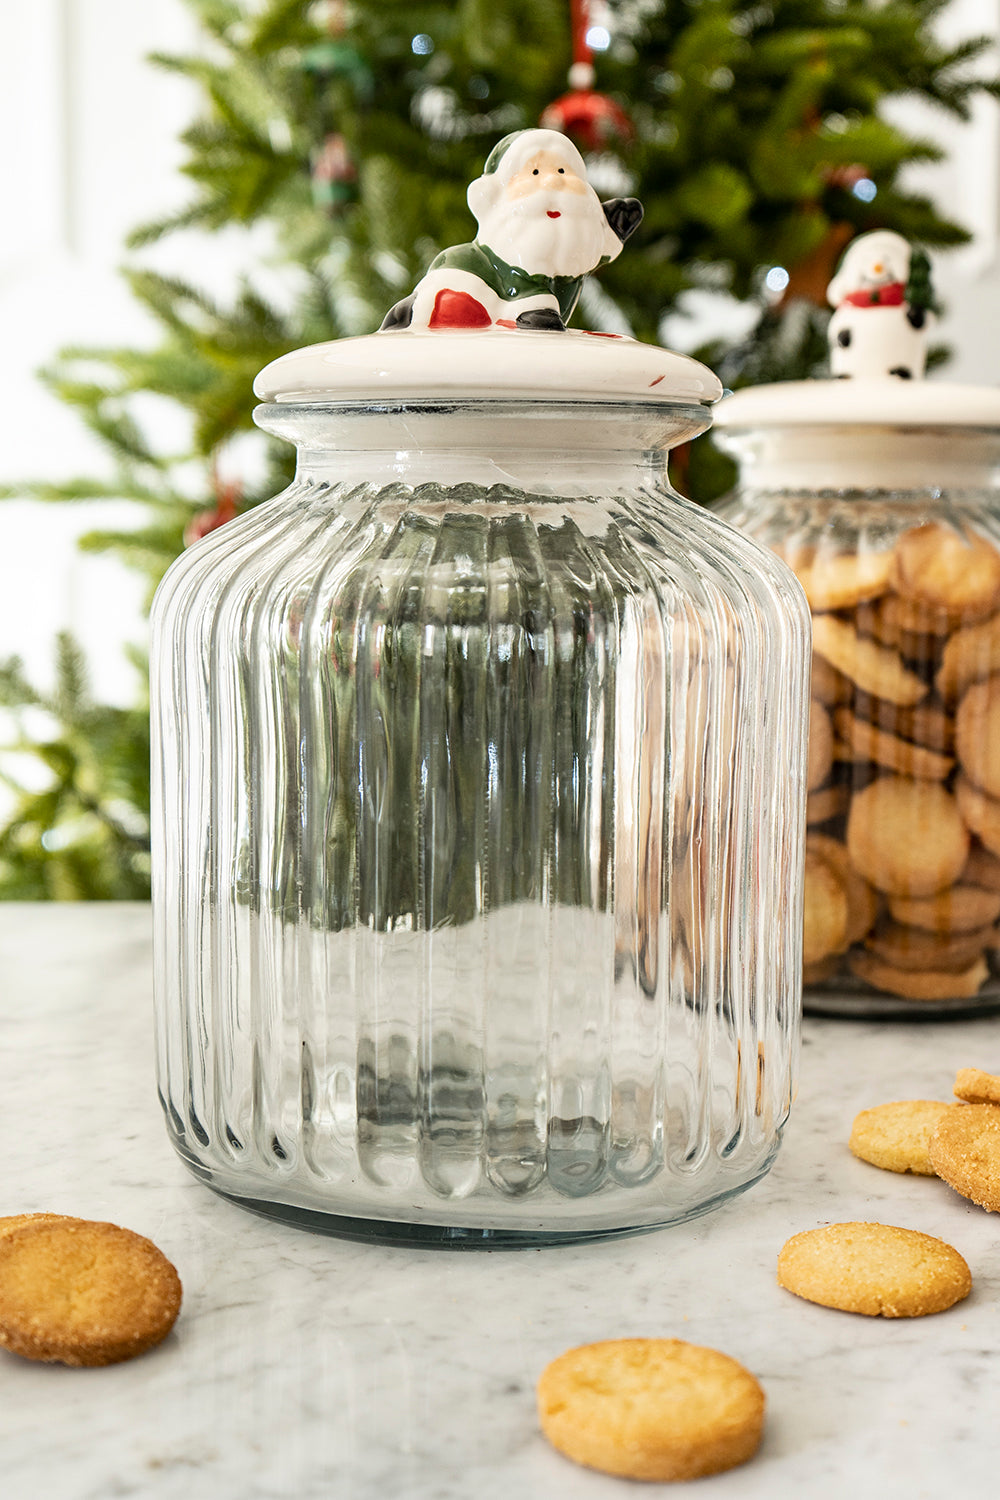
(542, 228)
(885, 306)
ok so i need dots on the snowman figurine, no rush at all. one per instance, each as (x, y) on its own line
(542, 229)
(884, 308)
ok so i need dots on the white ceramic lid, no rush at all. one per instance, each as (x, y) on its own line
(885, 402)
(495, 364)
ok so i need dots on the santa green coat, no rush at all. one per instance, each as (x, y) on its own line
(510, 282)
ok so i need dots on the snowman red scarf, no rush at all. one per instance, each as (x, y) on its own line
(893, 294)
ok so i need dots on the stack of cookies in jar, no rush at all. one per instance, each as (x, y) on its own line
(882, 492)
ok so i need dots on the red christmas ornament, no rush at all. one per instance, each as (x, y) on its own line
(594, 119)
(227, 494)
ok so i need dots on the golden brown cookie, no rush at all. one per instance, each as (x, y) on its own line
(981, 813)
(14, 1221)
(981, 868)
(83, 1293)
(970, 654)
(828, 685)
(902, 617)
(820, 745)
(875, 1269)
(917, 948)
(656, 1409)
(868, 742)
(965, 1153)
(925, 725)
(961, 908)
(977, 734)
(825, 919)
(976, 1087)
(829, 802)
(874, 669)
(941, 567)
(862, 902)
(916, 984)
(841, 582)
(896, 1136)
(906, 837)
(819, 973)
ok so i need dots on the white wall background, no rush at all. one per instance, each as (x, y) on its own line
(91, 149)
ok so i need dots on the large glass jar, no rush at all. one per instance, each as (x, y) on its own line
(884, 497)
(479, 789)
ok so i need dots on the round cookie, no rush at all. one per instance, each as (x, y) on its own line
(976, 1087)
(875, 1269)
(829, 685)
(896, 1136)
(961, 908)
(917, 948)
(925, 725)
(829, 802)
(982, 869)
(924, 984)
(820, 745)
(942, 568)
(977, 734)
(906, 837)
(83, 1293)
(876, 670)
(655, 1409)
(965, 1153)
(862, 902)
(841, 582)
(868, 742)
(14, 1221)
(825, 911)
(970, 654)
(981, 813)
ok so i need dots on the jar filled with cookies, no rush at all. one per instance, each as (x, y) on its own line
(882, 492)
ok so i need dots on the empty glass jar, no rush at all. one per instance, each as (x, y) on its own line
(884, 496)
(479, 776)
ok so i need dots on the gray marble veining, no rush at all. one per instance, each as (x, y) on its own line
(318, 1369)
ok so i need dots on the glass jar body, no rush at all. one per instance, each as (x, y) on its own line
(479, 782)
(902, 887)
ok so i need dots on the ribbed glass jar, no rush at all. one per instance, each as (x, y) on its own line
(479, 789)
(894, 531)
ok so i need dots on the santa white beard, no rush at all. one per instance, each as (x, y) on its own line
(522, 234)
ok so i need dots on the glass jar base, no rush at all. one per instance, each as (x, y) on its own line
(845, 1006)
(423, 1235)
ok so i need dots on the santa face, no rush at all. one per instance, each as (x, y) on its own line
(547, 219)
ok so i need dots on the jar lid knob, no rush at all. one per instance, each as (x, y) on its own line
(885, 306)
(542, 229)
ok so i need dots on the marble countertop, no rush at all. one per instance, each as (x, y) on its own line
(314, 1368)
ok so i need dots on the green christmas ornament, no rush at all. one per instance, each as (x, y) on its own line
(335, 58)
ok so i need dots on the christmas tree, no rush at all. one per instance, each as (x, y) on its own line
(753, 133)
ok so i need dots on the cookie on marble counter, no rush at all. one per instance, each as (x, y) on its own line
(896, 1136)
(875, 1269)
(976, 1087)
(76, 1292)
(965, 1153)
(657, 1409)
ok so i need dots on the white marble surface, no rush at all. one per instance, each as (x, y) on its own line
(318, 1369)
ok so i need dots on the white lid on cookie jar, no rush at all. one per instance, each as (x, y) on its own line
(877, 433)
(495, 364)
(877, 424)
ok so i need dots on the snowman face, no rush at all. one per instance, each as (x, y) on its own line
(874, 260)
